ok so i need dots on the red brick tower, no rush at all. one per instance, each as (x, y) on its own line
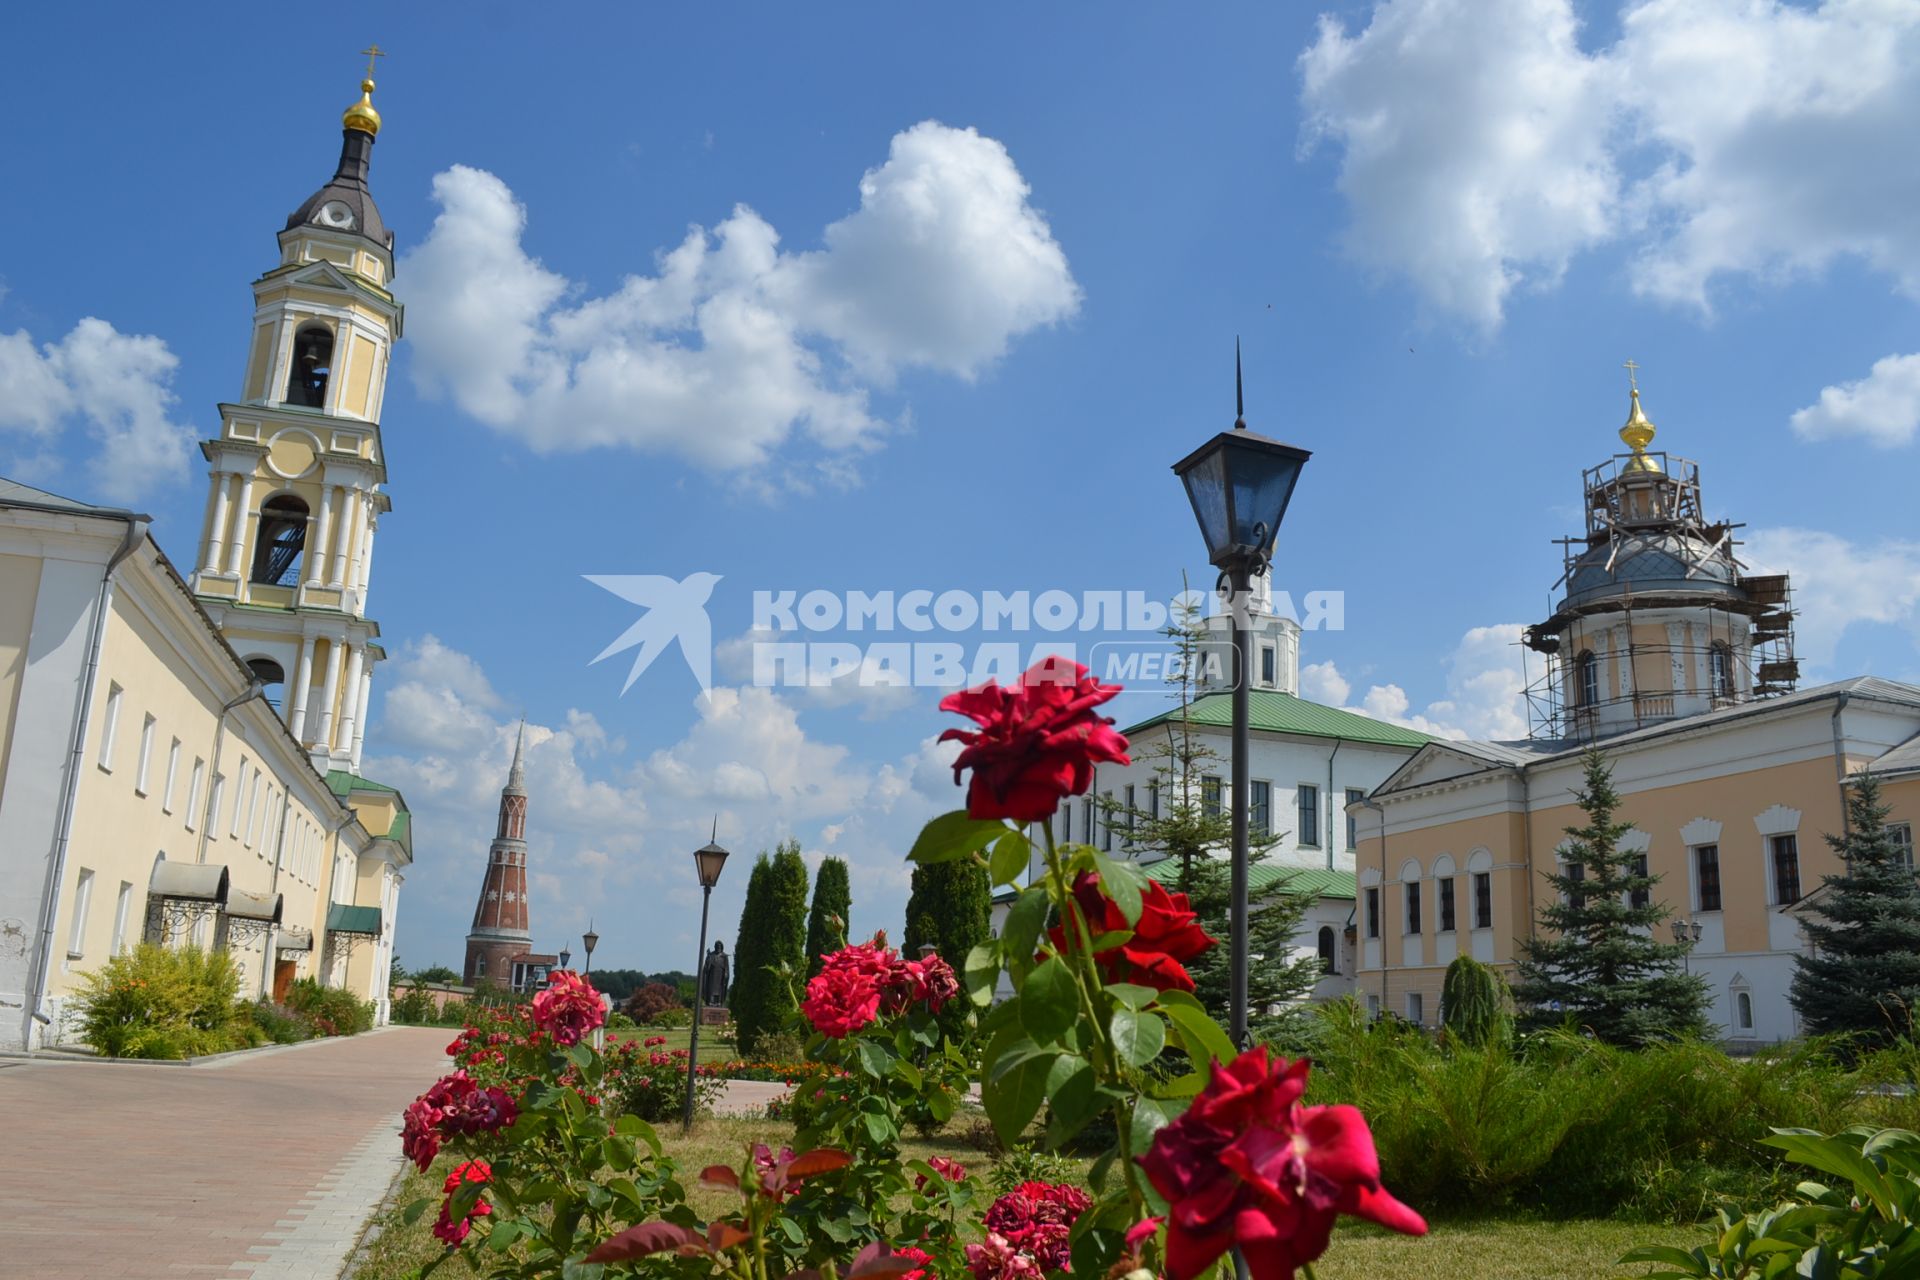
(500, 935)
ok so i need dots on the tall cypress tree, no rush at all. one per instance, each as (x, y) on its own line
(951, 906)
(750, 948)
(1864, 974)
(1599, 964)
(764, 1000)
(827, 927)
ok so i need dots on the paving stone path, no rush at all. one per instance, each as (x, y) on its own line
(262, 1165)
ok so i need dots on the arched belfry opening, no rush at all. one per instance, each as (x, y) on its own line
(272, 677)
(282, 540)
(312, 367)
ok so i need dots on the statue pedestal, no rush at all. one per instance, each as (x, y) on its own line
(714, 1015)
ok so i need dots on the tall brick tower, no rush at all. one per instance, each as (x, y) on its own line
(499, 937)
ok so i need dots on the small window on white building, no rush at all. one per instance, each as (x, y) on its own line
(1354, 797)
(82, 901)
(1259, 809)
(122, 908)
(1106, 827)
(213, 805)
(1329, 954)
(110, 725)
(1210, 796)
(173, 777)
(194, 786)
(1720, 669)
(145, 763)
(1743, 1010)
(239, 799)
(1268, 665)
(1307, 801)
(1153, 799)
(1587, 676)
(1416, 1009)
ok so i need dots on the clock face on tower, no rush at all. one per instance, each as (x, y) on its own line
(334, 214)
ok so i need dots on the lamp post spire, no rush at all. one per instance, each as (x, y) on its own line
(1239, 390)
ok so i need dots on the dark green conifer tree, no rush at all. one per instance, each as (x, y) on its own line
(827, 919)
(770, 956)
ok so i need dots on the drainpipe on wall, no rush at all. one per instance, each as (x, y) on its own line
(1337, 744)
(70, 786)
(1370, 803)
(253, 690)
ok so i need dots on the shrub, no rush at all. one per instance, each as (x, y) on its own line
(416, 1008)
(160, 1002)
(618, 1021)
(279, 1025)
(453, 1013)
(650, 1081)
(1024, 1164)
(647, 1004)
(330, 1010)
(1473, 999)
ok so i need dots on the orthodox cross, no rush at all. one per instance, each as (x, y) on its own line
(1632, 370)
(372, 52)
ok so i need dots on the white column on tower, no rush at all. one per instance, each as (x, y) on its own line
(237, 547)
(366, 559)
(362, 508)
(216, 531)
(302, 687)
(351, 704)
(317, 560)
(344, 536)
(330, 695)
(360, 721)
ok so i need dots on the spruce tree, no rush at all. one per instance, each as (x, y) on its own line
(1864, 974)
(827, 927)
(1599, 964)
(771, 952)
(1195, 832)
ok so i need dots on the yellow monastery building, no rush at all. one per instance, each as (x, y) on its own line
(180, 753)
(1679, 667)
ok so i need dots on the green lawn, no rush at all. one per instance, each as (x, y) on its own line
(713, 1048)
(1492, 1249)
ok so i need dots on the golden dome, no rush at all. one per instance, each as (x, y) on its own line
(1637, 434)
(361, 114)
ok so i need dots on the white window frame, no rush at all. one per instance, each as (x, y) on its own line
(1742, 1009)
(145, 763)
(110, 725)
(218, 794)
(1257, 830)
(1302, 810)
(1901, 834)
(1354, 796)
(198, 781)
(82, 906)
(239, 800)
(1417, 1008)
(122, 907)
(173, 777)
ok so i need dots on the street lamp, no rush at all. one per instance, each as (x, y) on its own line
(1687, 934)
(1240, 484)
(566, 957)
(591, 940)
(707, 863)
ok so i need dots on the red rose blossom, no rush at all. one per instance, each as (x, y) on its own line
(568, 1009)
(1166, 934)
(1037, 742)
(859, 983)
(420, 1133)
(915, 1255)
(1247, 1165)
(445, 1227)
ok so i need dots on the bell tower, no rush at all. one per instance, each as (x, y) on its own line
(295, 494)
(500, 930)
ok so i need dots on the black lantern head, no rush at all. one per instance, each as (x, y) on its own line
(708, 861)
(1240, 484)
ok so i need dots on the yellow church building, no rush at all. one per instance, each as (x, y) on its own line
(180, 752)
(1666, 655)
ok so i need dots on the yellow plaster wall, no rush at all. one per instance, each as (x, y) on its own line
(256, 386)
(366, 355)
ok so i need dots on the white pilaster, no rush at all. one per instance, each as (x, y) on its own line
(237, 549)
(302, 687)
(317, 557)
(216, 532)
(360, 720)
(366, 560)
(351, 706)
(343, 537)
(356, 532)
(330, 695)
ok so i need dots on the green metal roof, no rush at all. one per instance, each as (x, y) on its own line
(344, 784)
(342, 918)
(1284, 713)
(1320, 882)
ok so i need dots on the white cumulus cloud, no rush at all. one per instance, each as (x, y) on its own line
(115, 387)
(733, 349)
(1883, 407)
(1838, 583)
(1485, 690)
(1482, 148)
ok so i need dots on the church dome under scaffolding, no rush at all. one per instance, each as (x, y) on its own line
(1653, 562)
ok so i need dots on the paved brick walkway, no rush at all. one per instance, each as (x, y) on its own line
(257, 1166)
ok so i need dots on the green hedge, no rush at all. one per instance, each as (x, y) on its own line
(156, 1002)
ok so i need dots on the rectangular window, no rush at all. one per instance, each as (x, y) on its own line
(1210, 796)
(239, 799)
(257, 812)
(121, 909)
(479, 966)
(82, 899)
(1259, 809)
(1642, 896)
(173, 776)
(110, 726)
(1483, 899)
(1086, 820)
(1354, 796)
(1413, 906)
(1900, 836)
(1446, 905)
(1267, 664)
(1786, 869)
(1106, 828)
(1153, 799)
(1373, 913)
(1133, 814)
(145, 764)
(1576, 872)
(1066, 823)
(1307, 800)
(1706, 877)
(193, 792)
(1373, 1006)
(1416, 1009)
(213, 804)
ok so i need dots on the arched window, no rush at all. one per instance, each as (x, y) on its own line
(1329, 960)
(1720, 669)
(272, 677)
(1587, 673)
(312, 366)
(1743, 1010)
(283, 536)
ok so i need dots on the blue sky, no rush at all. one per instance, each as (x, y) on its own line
(1439, 228)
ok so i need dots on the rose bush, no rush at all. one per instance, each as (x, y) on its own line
(1211, 1149)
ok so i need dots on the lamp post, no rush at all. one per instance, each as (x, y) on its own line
(1687, 934)
(566, 958)
(707, 862)
(590, 940)
(1240, 484)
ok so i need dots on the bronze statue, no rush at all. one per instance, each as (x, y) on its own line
(714, 976)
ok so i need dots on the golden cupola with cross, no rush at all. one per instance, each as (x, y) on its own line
(297, 475)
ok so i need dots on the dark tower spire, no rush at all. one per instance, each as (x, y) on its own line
(500, 919)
